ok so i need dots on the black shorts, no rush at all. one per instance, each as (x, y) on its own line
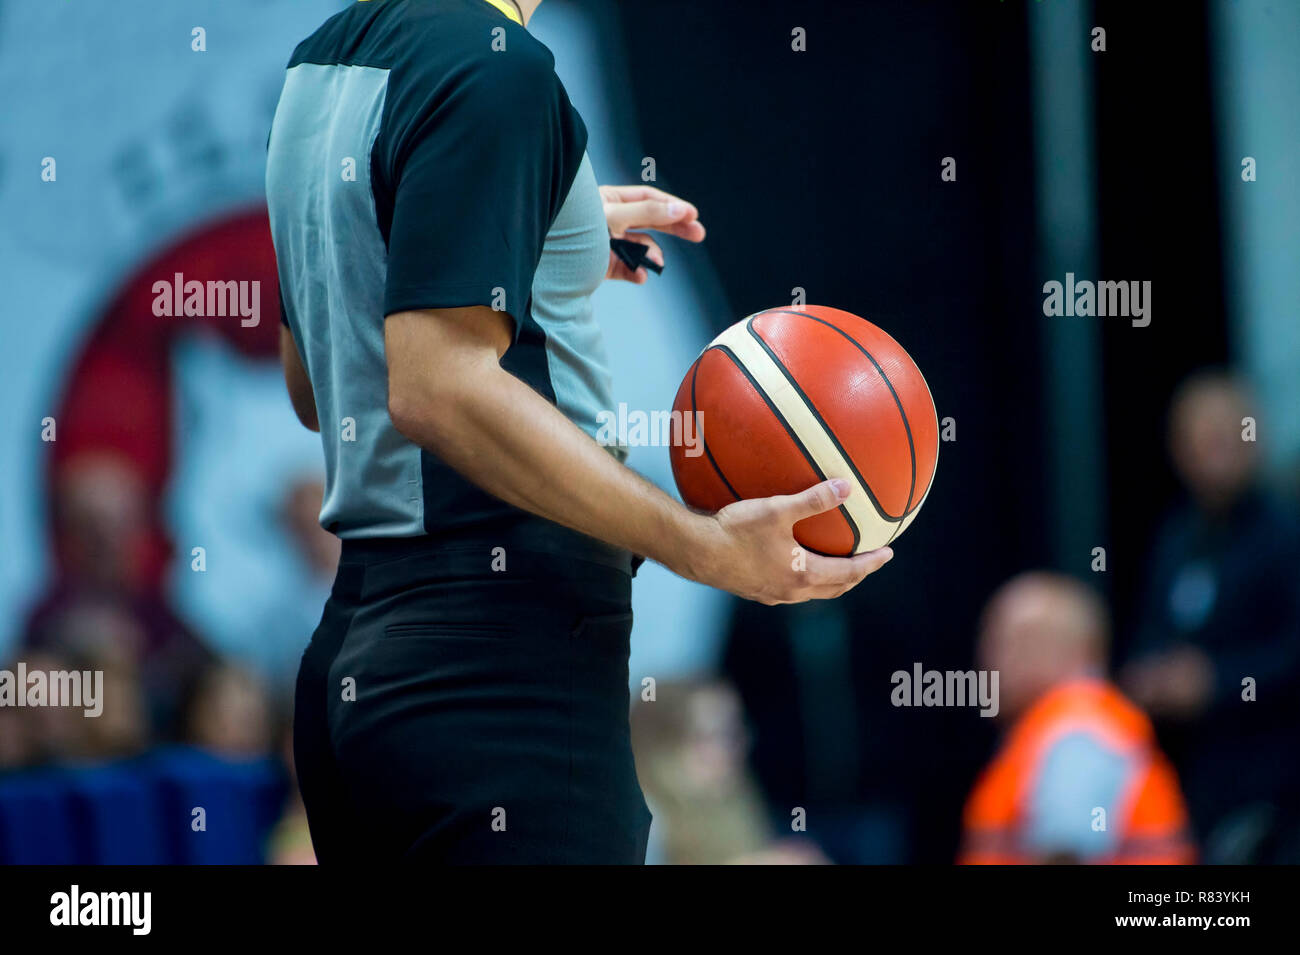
(450, 712)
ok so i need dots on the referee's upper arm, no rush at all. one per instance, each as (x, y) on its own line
(296, 380)
(437, 357)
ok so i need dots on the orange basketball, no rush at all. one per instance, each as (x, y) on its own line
(793, 396)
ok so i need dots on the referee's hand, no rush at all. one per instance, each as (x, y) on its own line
(753, 554)
(629, 208)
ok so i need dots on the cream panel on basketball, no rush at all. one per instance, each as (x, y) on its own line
(873, 530)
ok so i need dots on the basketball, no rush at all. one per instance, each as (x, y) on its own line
(789, 397)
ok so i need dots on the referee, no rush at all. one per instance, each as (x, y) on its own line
(439, 233)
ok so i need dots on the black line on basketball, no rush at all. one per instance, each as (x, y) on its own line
(885, 515)
(857, 537)
(695, 372)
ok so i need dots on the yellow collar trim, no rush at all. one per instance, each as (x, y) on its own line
(505, 6)
(508, 8)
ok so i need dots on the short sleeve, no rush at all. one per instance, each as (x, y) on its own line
(477, 175)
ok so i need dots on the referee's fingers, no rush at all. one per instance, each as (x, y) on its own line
(844, 573)
(633, 193)
(674, 216)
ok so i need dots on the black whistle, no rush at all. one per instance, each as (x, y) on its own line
(633, 255)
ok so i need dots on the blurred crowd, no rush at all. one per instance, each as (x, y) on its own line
(1168, 739)
(1180, 726)
(164, 686)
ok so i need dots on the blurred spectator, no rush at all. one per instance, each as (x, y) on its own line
(16, 746)
(1216, 658)
(100, 604)
(101, 508)
(1078, 776)
(45, 732)
(33, 735)
(122, 729)
(690, 753)
(63, 733)
(230, 715)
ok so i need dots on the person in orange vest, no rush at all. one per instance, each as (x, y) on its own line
(1078, 777)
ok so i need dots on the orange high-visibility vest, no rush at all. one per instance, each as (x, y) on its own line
(1150, 816)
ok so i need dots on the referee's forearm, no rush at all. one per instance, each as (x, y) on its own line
(510, 441)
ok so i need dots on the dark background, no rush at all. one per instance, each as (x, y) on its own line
(822, 171)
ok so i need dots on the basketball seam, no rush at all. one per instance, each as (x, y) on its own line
(834, 438)
(911, 444)
(695, 373)
(813, 437)
(794, 436)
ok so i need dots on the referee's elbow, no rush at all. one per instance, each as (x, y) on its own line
(308, 419)
(417, 412)
(401, 409)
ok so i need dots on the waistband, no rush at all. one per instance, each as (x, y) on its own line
(535, 536)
